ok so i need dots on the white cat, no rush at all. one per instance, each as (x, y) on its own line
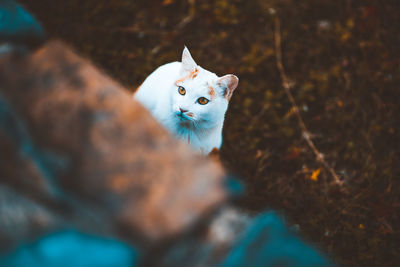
(189, 101)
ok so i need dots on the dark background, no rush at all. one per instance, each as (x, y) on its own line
(343, 60)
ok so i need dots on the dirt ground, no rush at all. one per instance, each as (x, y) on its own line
(342, 61)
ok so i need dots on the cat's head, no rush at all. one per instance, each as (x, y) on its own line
(200, 98)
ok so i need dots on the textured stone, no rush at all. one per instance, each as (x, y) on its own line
(89, 147)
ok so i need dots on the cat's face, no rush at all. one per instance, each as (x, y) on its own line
(199, 97)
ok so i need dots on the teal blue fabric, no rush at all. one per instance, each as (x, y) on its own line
(16, 24)
(268, 242)
(71, 248)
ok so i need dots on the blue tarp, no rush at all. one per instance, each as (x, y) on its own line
(17, 25)
(71, 248)
(268, 242)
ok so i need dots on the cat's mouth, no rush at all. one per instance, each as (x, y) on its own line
(183, 117)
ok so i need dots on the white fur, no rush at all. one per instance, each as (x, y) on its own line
(159, 93)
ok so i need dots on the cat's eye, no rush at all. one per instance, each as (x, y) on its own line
(202, 100)
(181, 90)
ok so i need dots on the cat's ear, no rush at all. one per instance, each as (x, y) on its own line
(228, 84)
(188, 64)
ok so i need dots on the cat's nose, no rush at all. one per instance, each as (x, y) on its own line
(183, 110)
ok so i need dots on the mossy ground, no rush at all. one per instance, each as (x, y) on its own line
(343, 58)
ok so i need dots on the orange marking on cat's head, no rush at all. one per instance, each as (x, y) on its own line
(191, 75)
(211, 91)
(180, 80)
(190, 114)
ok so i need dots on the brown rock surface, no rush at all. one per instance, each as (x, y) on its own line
(74, 141)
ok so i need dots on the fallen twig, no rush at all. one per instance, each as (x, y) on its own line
(287, 86)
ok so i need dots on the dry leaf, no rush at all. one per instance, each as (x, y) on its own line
(315, 174)
(167, 2)
(294, 153)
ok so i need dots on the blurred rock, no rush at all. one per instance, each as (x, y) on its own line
(75, 142)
